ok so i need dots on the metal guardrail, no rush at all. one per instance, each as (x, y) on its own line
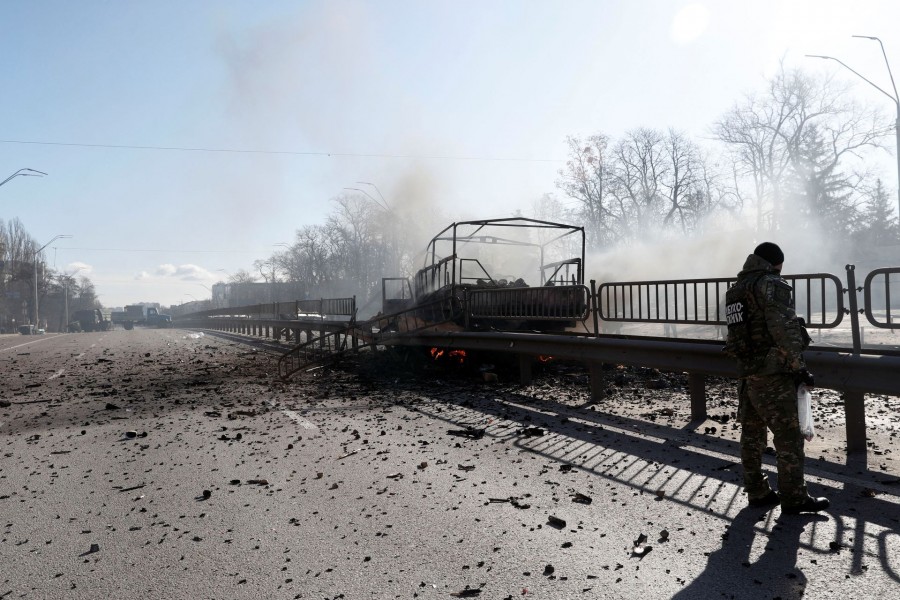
(817, 297)
(869, 373)
(695, 301)
(852, 373)
(339, 307)
(881, 278)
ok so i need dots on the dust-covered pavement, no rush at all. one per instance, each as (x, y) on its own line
(162, 464)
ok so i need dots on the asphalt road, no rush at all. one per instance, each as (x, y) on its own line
(160, 464)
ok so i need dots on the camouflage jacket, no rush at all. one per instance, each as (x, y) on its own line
(777, 336)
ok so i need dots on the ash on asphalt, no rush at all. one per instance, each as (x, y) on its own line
(347, 481)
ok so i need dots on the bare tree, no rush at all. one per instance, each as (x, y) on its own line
(793, 143)
(639, 167)
(242, 276)
(586, 179)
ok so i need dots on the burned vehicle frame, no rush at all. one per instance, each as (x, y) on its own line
(463, 284)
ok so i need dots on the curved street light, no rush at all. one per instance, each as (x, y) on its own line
(380, 195)
(38, 251)
(24, 173)
(382, 206)
(895, 98)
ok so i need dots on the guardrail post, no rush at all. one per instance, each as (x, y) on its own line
(855, 402)
(525, 361)
(854, 312)
(353, 339)
(598, 391)
(697, 387)
(321, 323)
(855, 411)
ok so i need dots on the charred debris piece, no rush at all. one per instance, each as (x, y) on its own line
(531, 432)
(468, 432)
(513, 500)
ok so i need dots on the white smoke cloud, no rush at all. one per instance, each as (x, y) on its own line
(79, 268)
(187, 272)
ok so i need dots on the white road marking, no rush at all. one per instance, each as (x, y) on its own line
(57, 374)
(25, 344)
(294, 416)
(85, 352)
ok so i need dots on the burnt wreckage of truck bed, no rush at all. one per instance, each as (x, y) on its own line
(514, 274)
(510, 274)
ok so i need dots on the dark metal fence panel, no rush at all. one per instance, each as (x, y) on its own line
(567, 303)
(818, 298)
(344, 307)
(697, 301)
(882, 298)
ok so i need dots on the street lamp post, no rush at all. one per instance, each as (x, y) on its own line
(273, 284)
(66, 279)
(895, 99)
(38, 251)
(24, 173)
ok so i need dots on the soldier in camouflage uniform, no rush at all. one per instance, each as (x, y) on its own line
(767, 340)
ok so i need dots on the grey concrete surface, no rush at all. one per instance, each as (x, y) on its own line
(349, 483)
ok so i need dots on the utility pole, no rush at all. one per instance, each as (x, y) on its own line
(36, 253)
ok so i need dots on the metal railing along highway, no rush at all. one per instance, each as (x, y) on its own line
(850, 370)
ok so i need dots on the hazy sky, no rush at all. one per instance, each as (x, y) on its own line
(296, 100)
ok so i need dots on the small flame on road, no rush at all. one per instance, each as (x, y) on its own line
(545, 359)
(455, 355)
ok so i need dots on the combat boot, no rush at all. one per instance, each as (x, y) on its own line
(770, 499)
(809, 505)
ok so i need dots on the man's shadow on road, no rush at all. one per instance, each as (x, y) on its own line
(730, 573)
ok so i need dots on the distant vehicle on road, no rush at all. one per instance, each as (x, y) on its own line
(91, 320)
(140, 314)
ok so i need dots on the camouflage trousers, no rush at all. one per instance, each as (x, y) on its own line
(770, 401)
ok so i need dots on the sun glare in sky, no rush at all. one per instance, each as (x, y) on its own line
(689, 23)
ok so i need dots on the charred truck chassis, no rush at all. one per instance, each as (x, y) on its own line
(460, 293)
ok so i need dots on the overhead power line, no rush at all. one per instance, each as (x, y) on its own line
(166, 250)
(289, 152)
